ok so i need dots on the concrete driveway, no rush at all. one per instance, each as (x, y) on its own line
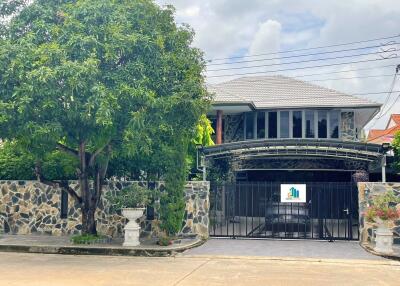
(283, 248)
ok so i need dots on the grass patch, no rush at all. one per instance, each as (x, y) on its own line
(88, 239)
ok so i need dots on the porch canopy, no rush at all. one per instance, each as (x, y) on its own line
(334, 149)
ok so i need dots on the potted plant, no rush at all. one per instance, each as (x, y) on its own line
(132, 201)
(383, 212)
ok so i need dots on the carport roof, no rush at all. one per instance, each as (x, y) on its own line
(270, 92)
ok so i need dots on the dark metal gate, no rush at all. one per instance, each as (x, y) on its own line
(255, 210)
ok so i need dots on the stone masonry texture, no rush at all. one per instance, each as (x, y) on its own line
(28, 207)
(366, 193)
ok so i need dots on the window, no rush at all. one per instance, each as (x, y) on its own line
(272, 124)
(284, 124)
(334, 124)
(261, 125)
(322, 124)
(310, 124)
(250, 125)
(297, 124)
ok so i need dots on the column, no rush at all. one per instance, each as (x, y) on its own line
(219, 127)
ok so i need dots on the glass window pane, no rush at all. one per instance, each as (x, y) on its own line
(272, 125)
(334, 124)
(310, 121)
(250, 125)
(284, 128)
(322, 124)
(261, 125)
(297, 124)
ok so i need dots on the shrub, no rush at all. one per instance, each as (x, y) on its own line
(87, 239)
(383, 208)
(133, 196)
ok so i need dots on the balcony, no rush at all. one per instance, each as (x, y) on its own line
(321, 148)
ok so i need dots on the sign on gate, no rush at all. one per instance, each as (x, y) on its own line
(293, 193)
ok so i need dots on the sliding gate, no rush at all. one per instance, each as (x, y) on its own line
(256, 210)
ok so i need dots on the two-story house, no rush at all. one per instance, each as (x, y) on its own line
(276, 130)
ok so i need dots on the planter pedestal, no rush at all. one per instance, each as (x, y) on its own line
(384, 240)
(132, 228)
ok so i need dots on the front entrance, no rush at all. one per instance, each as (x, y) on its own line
(255, 210)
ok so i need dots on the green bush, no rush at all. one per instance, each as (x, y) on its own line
(15, 164)
(133, 196)
(87, 238)
(396, 149)
(18, 164)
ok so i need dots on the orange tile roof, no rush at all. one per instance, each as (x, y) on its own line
(396, 118)
(382, 136)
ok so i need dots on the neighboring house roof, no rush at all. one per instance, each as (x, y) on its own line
(393, 121)
(385, 136)
(264, 92)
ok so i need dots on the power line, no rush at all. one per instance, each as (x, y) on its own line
(335, 72)
(299, 68)
(372, 93)
(299, 62)
(305, 55)
(327, 79)
(307, 49)
(381, 114)
(354, 77)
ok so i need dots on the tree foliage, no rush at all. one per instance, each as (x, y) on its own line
(97, 80)
(396, 150)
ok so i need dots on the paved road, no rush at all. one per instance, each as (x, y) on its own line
(284, 248)
(59, 270)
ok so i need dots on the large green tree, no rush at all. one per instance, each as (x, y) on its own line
(96, 79)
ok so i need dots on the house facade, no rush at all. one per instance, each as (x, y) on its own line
(275, 131)
(268, 127)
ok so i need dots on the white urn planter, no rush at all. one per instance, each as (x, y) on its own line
(383, 240)
(132, 228)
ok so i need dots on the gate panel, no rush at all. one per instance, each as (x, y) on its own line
(252, 209)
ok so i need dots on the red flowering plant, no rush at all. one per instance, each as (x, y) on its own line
(383, 208)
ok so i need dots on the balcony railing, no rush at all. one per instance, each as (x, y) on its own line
(296, 147)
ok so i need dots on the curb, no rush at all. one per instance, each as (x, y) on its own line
(372, 251)
(296, 259)
(107, 251)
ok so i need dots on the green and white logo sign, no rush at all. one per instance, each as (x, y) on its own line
(293, 193)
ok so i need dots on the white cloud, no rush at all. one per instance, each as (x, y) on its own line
(191, 11)
(267, 38)
(226, 28)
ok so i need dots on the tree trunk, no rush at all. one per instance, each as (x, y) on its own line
(88, 220)
(89, 205)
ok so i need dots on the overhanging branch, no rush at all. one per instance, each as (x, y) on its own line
(68, 150)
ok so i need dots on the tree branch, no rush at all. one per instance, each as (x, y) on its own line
(67, 149)
(95, 154)
(56, 184)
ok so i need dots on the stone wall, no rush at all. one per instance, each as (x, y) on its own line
(197, 209)
(31, 207)
(366, 193)
(233, 128)
(347, 128)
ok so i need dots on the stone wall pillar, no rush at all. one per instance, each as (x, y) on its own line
(196, 220)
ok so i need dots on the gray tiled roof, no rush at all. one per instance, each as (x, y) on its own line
(266, 92)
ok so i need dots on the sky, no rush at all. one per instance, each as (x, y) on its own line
(239, 29)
